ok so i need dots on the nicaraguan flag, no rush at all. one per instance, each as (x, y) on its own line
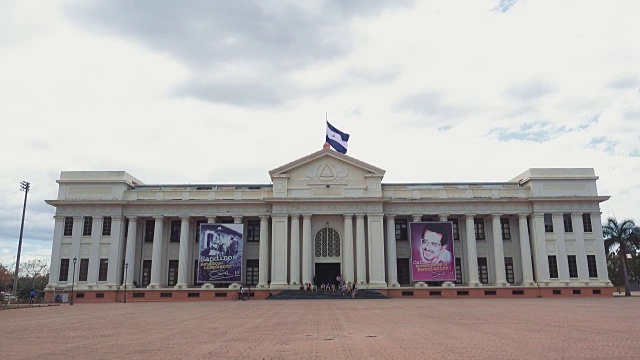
(337, 139)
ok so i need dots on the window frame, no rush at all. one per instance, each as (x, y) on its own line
(553, 267)
(508, 270)
(505, 226)
(455, 227)
(175, 226)
(253, 231)
(483, 270)
(479, 230)
(587, 223)
(87, 226)
(83, 270)
(401, 227)
(106, 225)
(567, 222)
(592, 266)
(252, 276)
(149, 231)
(172, 272)
(63, 275)
(573, 266)
(103, 269)
(68, 226)
(548, 223)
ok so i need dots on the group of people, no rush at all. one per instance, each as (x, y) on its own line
(345, 288)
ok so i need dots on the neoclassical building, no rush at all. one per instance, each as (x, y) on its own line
(538, 234)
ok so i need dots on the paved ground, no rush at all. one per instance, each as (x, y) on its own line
(328, 329)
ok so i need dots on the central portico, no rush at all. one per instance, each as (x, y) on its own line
(327, 208)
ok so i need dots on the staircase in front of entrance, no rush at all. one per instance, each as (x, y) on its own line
(325, 295)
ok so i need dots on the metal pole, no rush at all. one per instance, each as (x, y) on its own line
(73, 280)
(24, 186)
(126, 267)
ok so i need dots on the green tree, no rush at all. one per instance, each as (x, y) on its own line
(623, 237)
(6, 278)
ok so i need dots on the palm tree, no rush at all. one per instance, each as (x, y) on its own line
(625, 236)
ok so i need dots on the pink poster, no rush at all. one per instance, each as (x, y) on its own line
(432, 251)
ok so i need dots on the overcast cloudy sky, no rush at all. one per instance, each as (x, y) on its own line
(223, 91)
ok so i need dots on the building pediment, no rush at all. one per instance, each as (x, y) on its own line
(326, 173)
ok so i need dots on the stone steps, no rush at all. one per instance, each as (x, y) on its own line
(325, 295)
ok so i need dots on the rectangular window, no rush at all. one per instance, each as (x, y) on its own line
(84, 270)
(506, 228)
(483, 270)
(106, 226)
(174, 235)
(573, 266)
(197, 232)
(146, 273)
(586, 223)
(508, 270)
(478, 224)
(149, 228)
(252, 272)
(553, 267)
(68, 226)
(548, 223)
(172, 278)
(404, 275)
(64, 270)
(459, 271)
(568, 224)
(102, 271)
(253, 231)
(86, 227)
(401, 230)
(593, 267)
(456, 229)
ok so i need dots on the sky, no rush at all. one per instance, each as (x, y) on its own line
(224, 91)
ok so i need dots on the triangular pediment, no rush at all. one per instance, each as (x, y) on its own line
(324, 168)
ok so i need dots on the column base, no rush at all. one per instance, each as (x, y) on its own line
(208, 286)
(262, 286)
(420, 284)
(448, 284)
(543, 283)
(393, 285)
(279, 286)
(502, 284)
(377, 285)
(181, 286)
(49, 287)
(154, 286)
(528, 283)
(474, 284)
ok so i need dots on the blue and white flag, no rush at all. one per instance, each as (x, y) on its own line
(337, 139)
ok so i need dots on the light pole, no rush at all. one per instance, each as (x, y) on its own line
(24, 186)
(126, 267)
(73, 280)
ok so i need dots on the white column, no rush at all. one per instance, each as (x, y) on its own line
(94, 252)
(540, 256)
(498, 251)
(525, 251)
(444, 217)
(416, 218)
(54, 269)
(561, 248)
(581, 249)
(347, 271)
(295, 250)
(361, 273)
(211, 220)
(472, 252)
(376, 251)
(307, 250)
(392, 261)
(156, 254)
(183, 258)
(130, 254)
(116, 251)
(76, 238)
(601, 258)
(280, 258)
(263, 262)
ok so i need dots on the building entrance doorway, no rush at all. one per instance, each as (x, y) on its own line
(326, 272)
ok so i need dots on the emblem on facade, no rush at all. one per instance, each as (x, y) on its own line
(325, 173)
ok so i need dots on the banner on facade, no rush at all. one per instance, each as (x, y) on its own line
(432, 251)
(220, 259)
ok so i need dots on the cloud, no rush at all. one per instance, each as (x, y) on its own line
(432, 109)
(603, 143)
(269, 39)
(538, 131)
(505, 5)
(531, 90)
(625, 82)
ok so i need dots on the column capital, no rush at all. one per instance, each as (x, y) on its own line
(347, 216)
(390, 216)
(306, 216)
(470, 215)
(557, 215)
(117, 218)
(158, 218)
(59, 217)
(98, 217)
(264, 217)
(237, 219)
(185, 217)
(523, 216)
(211, 219)
(294, 215)
(496, 215)
(443, 215)
(538, 215)
(359, 216)
(78, 217)
(132, 218)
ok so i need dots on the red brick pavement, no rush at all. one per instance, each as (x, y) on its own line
(603, 328)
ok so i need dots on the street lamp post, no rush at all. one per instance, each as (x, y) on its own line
(126, 267)
(24, 186)
(73, 280)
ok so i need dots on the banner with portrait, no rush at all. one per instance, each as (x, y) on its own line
(432, 251)
(220, 255)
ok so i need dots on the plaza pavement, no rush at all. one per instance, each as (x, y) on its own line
(584, 328)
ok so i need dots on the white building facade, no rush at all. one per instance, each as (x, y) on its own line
(329, 213)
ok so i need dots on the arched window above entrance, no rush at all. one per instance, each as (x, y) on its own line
(327, 243)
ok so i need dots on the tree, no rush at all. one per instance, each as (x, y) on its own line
(623, 237)
(33, 269)
(6, 278)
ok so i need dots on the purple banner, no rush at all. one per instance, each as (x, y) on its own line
(220, 259)
(432, 251)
